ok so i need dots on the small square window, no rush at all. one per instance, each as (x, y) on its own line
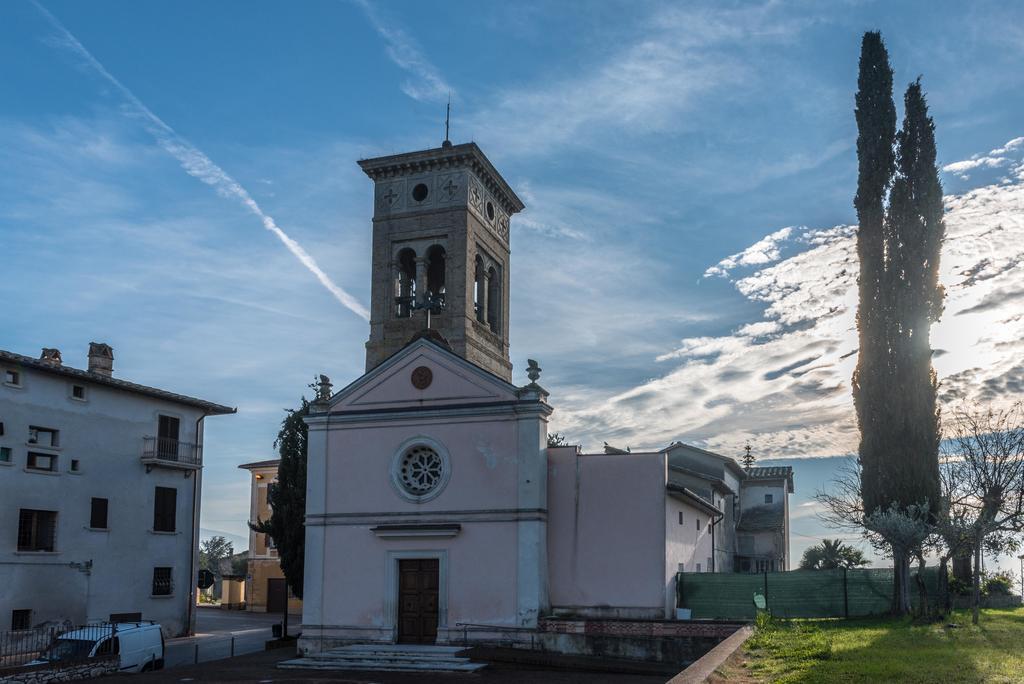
(21, 619)
(698, 524)
(74, 465)
(5, 454)
(768, 498)
(12, 377)
(43, 436)
(38, 461)
(162, 585)
(78, 392)
(680, 517)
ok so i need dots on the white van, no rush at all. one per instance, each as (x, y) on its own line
(139, 646)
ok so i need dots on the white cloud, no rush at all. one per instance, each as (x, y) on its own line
(783, 381)
(198, 165)
(764, 251)
(663, 70)
(425, 82)
(994, 159)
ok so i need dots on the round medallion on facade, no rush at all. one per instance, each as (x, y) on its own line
(422, 377)
(420, 469)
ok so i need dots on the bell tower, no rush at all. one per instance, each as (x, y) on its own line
(441, 253)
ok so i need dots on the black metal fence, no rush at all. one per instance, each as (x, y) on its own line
(172, 451)
(41, 645)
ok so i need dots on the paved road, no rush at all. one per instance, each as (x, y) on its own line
(261, 668)
(215, 629)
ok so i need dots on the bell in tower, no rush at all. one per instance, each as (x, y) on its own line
(441, 254)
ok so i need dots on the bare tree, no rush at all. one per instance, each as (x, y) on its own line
(893, 531)
(843, 505)
(984, 482)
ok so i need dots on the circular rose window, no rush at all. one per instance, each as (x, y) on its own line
(421, 470)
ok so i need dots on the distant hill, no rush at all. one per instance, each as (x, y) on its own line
(239, 542)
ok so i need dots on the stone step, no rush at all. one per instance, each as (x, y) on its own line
(388, 657)
(391, 652)
(379, 665)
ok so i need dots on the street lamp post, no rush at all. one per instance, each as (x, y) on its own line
(1021, 557)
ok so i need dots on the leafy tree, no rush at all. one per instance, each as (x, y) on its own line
(287, 497)
(557, 439)
(212, 551)
(240, 564)
(894, 385)
(831, 554)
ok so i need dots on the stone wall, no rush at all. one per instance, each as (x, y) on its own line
(664, 641)
(44, 674)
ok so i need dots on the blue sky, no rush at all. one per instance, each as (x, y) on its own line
(681, 269)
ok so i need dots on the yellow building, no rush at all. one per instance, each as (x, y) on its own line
(265, 586)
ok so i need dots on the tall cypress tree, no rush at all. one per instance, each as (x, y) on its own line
(894, 385)
(287, 498)
(876, 128)
(914, 240)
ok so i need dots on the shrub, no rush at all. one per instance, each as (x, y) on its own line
(997, 583)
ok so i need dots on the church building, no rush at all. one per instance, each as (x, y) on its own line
(435, 510)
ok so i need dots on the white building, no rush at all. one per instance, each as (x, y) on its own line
(99, 494)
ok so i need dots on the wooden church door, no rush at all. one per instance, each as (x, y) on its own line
(417, 600)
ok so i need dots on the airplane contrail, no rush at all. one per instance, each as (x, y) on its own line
(198, 165)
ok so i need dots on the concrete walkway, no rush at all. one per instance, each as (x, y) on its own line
(216, 629)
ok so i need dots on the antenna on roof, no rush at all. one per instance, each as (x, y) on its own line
(447, 121)
(748, 458)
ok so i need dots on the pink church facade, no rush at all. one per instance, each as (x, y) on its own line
(435, 511)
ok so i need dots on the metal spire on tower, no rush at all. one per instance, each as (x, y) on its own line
(447, 121)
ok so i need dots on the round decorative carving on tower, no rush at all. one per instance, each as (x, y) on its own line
(490, 211)
(420, 469)
(420, 192)
(422, 377)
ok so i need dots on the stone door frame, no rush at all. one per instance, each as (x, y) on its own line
(391, 579)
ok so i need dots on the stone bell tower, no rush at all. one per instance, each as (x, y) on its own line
(441, 245)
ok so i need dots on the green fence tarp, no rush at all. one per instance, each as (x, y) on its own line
(795, 594)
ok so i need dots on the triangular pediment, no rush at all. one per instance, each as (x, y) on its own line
(399, 382)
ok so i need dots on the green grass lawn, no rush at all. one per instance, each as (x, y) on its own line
(888, 650)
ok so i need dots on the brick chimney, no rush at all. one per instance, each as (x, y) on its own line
(101, 359)
(51, 356)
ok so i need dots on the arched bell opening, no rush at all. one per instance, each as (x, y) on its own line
(405, 283)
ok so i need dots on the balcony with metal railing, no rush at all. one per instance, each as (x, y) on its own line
(165, 452)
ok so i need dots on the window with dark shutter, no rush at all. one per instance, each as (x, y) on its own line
(165, 505)
(167, 438)
(36, 530)
(98, 514)
(162, 585)
(21, 619)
